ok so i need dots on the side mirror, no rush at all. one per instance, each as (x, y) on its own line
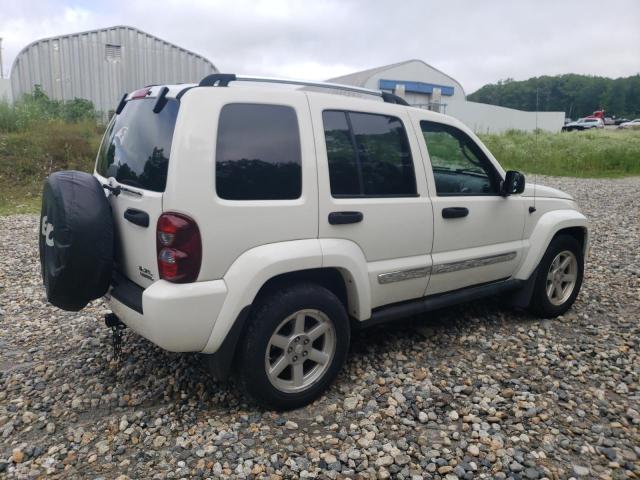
(513, 183)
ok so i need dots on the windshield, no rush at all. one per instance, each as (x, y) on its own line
(135, 149)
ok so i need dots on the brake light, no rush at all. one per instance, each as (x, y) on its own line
(143, 92)
(179, 248)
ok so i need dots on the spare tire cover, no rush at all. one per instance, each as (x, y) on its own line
(75, 240)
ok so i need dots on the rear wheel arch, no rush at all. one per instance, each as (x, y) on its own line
(333, 279)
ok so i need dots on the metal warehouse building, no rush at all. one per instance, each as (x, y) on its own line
(101, 65)
(424, 86)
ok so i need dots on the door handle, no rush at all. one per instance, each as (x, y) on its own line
(137, 216)
(343, 218)
(455, 212)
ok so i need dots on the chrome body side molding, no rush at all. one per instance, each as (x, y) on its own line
(473, 263)
(400, 275)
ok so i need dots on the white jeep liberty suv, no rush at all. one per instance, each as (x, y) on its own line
(260, 223)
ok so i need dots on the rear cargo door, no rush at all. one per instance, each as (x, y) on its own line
(133, 158)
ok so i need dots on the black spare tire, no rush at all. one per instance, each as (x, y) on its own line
(75, 239)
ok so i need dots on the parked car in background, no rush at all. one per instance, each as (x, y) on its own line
(619, 121)
(609, 121)
(584, 124)
(632, 124)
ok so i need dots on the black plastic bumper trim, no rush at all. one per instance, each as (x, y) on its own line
(127, 292)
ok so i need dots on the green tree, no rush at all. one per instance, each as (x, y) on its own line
(576, 95)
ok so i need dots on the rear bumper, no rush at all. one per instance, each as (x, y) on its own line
(176, 317)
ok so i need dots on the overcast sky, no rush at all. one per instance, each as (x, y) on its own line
(476, 42)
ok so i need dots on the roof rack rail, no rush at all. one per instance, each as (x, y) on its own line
(223, 80)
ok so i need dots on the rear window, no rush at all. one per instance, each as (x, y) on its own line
(135, 149)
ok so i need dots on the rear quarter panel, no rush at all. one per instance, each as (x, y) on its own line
(229, 228)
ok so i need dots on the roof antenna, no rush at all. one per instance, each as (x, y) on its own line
(532, 209)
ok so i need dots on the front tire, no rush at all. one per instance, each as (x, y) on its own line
(559, 277)
(295, 345)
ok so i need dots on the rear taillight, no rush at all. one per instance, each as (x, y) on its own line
(179, 248)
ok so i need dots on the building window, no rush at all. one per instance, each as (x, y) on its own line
(368, 155)
(113, 52)
(258, 153)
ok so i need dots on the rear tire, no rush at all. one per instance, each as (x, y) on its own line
(295, 344)
(559, 277)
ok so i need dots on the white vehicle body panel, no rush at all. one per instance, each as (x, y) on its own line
(229, 228)
(177, 317)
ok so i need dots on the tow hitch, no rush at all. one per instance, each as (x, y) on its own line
(116, 327)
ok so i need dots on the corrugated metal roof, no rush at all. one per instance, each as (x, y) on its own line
(100, 65)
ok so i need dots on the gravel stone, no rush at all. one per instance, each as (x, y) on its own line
(159, 441)
(103, 447)
(291, 425)
(580, 470)
(533, 398)
(350, 403)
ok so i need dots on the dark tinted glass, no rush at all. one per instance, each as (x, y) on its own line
(258, 153)
(384, 154)
(135, 149)
(368, 155)
(343, 166)
(459, 165)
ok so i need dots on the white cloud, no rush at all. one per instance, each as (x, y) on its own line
(475, 42)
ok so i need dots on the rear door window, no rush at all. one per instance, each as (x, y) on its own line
(258, 153)
(368, 155)
(136, 147)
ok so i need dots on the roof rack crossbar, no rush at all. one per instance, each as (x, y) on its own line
(223, 80)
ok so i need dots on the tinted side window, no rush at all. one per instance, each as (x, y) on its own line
(258, 153)
(384, 153)
(459, 165)
(341, 152)
(368, 154)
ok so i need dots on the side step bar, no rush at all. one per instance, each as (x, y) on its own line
(434, 302)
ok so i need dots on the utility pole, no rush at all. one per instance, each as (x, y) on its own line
(1, 70)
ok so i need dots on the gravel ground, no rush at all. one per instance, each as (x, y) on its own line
(472, 392)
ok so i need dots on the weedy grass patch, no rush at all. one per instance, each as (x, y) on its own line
(37, 136)
(592, 153)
